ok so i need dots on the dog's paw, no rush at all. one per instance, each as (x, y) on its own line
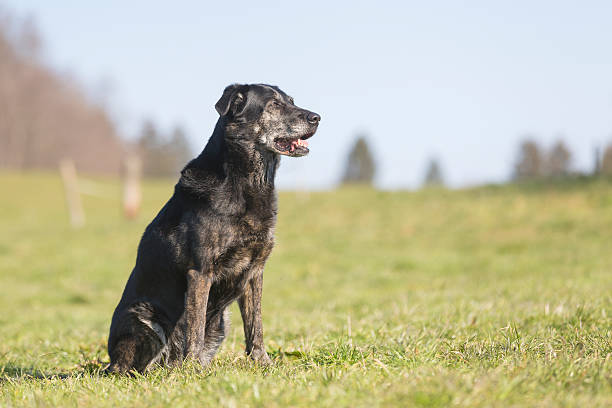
(260, 357)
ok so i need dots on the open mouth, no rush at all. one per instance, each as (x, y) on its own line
(297, 146)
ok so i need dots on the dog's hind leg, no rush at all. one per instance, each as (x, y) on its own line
(137, 342)
(217, 329)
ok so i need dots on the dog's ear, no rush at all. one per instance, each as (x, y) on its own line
(232, 99)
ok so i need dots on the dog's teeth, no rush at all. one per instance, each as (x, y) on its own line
(297, 143)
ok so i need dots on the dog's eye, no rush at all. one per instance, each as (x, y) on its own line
(292, 101)
(276, 103)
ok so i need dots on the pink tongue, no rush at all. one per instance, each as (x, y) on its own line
(299, 142)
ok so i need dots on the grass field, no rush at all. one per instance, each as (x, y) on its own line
(483, 297)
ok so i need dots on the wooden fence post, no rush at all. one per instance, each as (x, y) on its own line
(71, 188)
(132, 196)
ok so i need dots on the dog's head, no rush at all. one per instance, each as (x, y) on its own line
(268, 117)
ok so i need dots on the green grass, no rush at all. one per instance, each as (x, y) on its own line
(483, 297)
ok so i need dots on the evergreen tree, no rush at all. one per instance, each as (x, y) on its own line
(433, 174)
(360, 166)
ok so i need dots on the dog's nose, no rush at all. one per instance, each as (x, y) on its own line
(313, 118)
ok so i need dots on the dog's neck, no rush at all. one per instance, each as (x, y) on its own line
(266, 163)
(246, 161)
(234, 158)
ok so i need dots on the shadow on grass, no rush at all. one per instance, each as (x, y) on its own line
(10, 371)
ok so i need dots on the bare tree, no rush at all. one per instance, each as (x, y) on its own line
(45, 117)
(558, 161)
(433, 174)
(596, 161)
(360, 166)
(606, 162)
(529, 164)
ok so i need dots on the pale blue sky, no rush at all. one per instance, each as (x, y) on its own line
(459, 80)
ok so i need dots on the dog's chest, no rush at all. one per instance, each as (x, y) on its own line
(252, 242)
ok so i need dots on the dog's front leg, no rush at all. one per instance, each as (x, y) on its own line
(250, 309)
(194, 316)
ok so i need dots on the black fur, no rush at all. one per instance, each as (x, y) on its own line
(208, 245)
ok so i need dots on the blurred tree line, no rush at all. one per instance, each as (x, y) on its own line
(360, 167)
(46, 116)
(162, 155)
(534, 162)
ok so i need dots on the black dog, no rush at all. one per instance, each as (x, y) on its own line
(208, 245)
